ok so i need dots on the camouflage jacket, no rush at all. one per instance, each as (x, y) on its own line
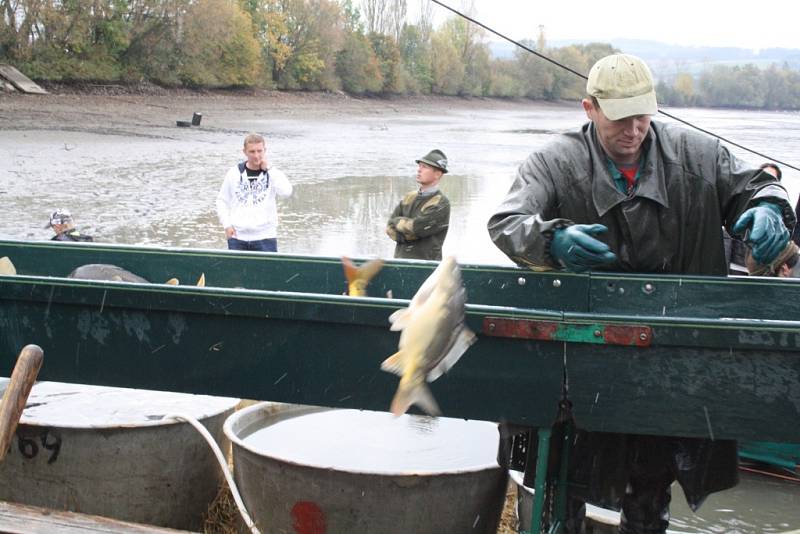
(419, 225)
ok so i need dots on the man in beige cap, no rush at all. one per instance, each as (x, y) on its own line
(420, 221)
(625, 193)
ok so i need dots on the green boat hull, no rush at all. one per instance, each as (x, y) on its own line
(785, 455)
(651, 354)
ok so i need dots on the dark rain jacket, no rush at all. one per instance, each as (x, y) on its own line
(419, 225)
(71, 235)
(690, 186)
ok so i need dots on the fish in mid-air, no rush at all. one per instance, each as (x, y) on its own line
(358, 277)
(432, 340)
(105, 271)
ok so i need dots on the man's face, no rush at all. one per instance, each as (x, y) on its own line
(427, 176)
(59, 228)
(255, 153)
(622, 139)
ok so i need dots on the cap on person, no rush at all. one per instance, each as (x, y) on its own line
(60, 216)
(623, 87)
(435, 158)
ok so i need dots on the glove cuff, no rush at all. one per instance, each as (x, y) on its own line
(549, 235)
(774, 208)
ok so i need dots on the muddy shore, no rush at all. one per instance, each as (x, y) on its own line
(113, 109)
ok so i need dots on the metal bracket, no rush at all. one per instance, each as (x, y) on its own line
(604, 334)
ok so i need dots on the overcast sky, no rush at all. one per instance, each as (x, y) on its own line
(760, 24)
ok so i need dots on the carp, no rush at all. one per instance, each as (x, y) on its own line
(433, 337)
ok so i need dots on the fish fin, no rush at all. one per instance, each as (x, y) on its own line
(371, 268)
(393, 364)
(464, 339)
(420, 395)
(6, 267)
(400, 319)
(173, 282)
(350, 269)
(201, 282)
(359, 277)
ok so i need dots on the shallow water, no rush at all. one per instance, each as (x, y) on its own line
(158, 187)
(759, 504)
(156, 184)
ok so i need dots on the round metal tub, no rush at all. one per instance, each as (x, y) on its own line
(601, 520)
(310, 470)
(106, 451)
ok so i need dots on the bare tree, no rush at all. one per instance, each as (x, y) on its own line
(425, 20)
(376, 14)
(397, 17)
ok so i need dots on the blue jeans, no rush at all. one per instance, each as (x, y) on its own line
(262, 245)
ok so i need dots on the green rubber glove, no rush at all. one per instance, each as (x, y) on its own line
(576, 249)
(768, 235)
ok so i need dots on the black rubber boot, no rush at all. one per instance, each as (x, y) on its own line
(645, 506)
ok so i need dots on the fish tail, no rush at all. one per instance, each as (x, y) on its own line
(407, 396)
(358, 277)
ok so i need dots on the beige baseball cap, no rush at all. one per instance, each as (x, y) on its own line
(623, 86)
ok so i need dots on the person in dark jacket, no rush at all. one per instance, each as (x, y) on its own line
(625, 193)
(63, 225)
(419, 222)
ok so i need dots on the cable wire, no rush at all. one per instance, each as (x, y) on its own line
(583, 76)
(223, 465)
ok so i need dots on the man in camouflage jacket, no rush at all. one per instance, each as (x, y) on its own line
(419, 223)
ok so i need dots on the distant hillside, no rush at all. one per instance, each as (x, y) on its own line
(666, 59)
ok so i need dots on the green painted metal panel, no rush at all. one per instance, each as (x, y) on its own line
(301, 348)
(486, 284)
(719, 362)
(695, 296)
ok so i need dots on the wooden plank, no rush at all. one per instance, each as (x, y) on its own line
(16, 393)
(20, 81)
(24, 519)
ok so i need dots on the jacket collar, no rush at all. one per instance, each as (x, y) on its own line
(605, 194)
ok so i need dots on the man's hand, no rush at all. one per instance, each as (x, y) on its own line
(264, 165)
(230, 232)
(768, 235)
(576, 249)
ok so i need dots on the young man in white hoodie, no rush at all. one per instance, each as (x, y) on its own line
(246, 204)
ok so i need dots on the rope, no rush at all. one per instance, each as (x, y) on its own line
(770, 474)
(583, 76)
(223, 465)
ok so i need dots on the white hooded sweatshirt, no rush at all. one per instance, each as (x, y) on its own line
(249, 205)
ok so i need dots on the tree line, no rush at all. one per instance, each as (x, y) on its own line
(325, 45)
